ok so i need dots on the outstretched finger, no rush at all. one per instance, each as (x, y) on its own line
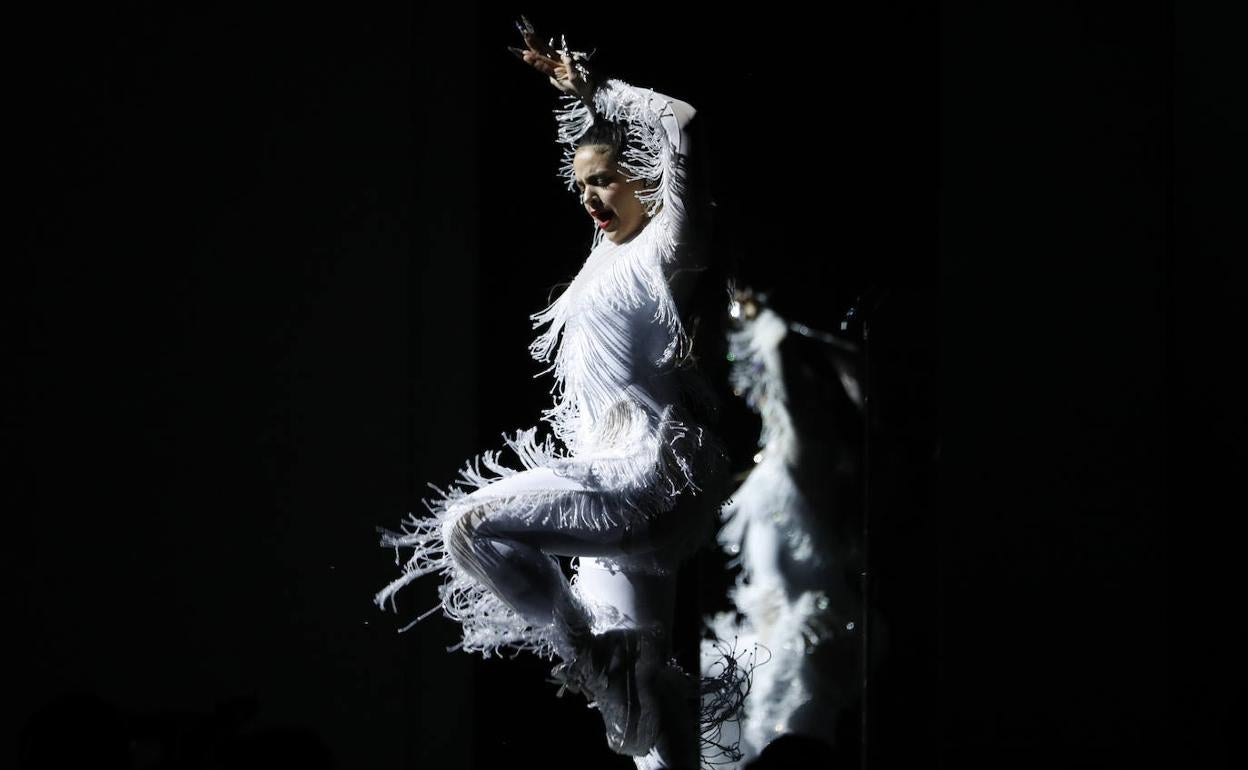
(540, 52)
(546, 60)
(531, 39)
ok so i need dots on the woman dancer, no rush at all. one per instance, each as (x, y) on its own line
(632, 479)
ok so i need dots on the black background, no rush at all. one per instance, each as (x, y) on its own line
(270, 272)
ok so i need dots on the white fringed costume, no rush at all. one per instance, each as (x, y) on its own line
(793, 604)
(627, 479)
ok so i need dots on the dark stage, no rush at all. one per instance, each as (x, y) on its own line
(270, 274)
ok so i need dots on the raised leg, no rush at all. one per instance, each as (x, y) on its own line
(499, 541)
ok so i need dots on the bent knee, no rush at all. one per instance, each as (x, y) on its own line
(457, 533)
(461, 536)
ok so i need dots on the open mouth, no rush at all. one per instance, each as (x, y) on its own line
(603, 217)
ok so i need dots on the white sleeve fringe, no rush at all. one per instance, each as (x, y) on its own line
(656, 152)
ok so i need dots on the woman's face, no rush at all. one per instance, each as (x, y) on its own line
(607, 195)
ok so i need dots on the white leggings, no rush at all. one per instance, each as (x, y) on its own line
(513, 555)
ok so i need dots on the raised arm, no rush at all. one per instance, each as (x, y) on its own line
(658, 148)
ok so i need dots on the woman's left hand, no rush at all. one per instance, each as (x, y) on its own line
(567, 72)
